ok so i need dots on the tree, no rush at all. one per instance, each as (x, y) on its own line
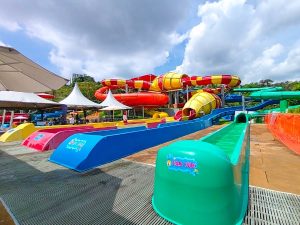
(81, 78)
(266, 82)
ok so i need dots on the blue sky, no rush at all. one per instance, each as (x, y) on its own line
(113, 39)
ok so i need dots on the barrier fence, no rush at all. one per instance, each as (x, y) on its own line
(286, 128)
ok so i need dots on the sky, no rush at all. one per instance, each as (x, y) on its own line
(255, 39)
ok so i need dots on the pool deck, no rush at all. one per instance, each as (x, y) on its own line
(272, 164)
(40, 192)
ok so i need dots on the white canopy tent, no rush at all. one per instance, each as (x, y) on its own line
(23, 100)
(77, 100)
(113, 104)
(18, 73)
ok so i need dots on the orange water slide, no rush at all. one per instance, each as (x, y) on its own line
(286, 128)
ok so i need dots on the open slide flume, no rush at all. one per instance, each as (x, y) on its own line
(85, 151)
(47, 139)
(205, 182)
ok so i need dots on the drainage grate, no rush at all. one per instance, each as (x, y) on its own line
(267, 207)
(118, 193)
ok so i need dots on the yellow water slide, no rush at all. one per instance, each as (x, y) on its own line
(200, 104)
(24, 130)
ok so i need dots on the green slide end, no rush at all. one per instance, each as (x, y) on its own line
(205, 182)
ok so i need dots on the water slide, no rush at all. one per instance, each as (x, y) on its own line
(82, 152)
(156, 114)
(262, 105)
(257, 89)
(152, 94)
(276, 95)
(209, 177)
(203, 103)
(200, 104)
(47, 139)
(24, 130)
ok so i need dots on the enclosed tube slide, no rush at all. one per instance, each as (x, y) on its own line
(278, 95)
(203, 102)
(164, 83)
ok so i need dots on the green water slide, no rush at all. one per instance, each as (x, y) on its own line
(257, 89)
(278, 95)
(205, 182)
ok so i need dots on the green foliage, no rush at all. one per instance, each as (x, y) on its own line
(287, 85)
(82, 78)
(295, 110)
(87, 88)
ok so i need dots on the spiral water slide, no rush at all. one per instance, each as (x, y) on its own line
(152, 93)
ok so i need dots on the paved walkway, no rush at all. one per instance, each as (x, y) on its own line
(272, 164)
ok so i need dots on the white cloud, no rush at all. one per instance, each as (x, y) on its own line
(103, 38)
(2, 43)
(254, 40)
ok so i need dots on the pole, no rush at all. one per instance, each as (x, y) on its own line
(222, 95)
(143, 112)
(11, 118)
(243, 102)
(3, 117)
(187, 93)
(170, 99)
(176, 98)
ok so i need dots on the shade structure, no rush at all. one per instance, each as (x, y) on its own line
(109, 108)
(77, 100)
(112, 104)
(24, 100)
(18, 73)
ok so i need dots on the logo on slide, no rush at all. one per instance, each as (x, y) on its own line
(186, 165)
(76, 144)
(38, 137)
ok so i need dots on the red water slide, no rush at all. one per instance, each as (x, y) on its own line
(47, 139)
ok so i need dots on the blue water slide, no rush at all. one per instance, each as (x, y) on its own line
(262, 105)
(85, 151)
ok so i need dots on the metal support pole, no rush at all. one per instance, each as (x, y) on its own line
(3, 117)
(126, 88)
(170, 99)
(222, 95)
(143, 112)
(187, 93)
(11, 118)
(243, 102)
(176, 97)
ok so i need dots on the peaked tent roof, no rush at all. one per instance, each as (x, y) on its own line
(113, 104)
(18, 73)
(77, 100)
(24, 100)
